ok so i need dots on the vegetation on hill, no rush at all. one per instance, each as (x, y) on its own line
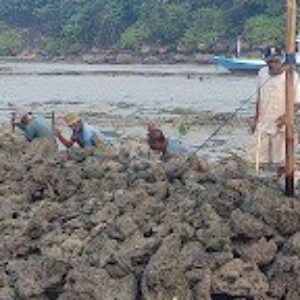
(72, 27)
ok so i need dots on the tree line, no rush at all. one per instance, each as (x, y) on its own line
(75, 26)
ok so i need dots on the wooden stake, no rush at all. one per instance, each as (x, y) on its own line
(53, 125)
(290, 98)
(13, 121)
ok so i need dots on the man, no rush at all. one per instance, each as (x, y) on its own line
(165, 146)
(34, 127)
(86, 136)
(268, 143)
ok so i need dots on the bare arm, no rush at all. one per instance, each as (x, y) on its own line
(67, 143)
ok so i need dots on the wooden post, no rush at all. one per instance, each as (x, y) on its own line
(13, 121)
(290, 98)
(53, 125)
(238, 47)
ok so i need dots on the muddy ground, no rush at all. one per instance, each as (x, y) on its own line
(134, 228)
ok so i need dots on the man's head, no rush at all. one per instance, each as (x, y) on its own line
(23, 118)
(157, 140)
(274, 58)
(73, 121)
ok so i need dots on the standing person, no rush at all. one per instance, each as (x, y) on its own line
(34, 127)
(268, 142)
(86, 136)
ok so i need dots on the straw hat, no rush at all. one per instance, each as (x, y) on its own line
(71, 118)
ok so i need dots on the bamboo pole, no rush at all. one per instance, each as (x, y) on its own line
(290, 98)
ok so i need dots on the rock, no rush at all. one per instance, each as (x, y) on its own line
(284, 277)
(163, 277)
(202, 289)
(126, 225)
(7, 293)
(203, 58)
(292, 247)
(125, 58)
(38, 276)
(245, 225)
(132, 227)
(180, 58)
(240, 279)
(151, 59)
(99, 250)
(94, 58)
(261, 252)
(285, 219)
(213, 233)
(72, 247)
(92, 283)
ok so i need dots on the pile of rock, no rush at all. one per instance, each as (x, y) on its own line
(131, 228)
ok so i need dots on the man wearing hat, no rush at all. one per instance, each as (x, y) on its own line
(268, 142)
(85, 135)
(34, 127)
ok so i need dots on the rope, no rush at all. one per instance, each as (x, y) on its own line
(244, 102)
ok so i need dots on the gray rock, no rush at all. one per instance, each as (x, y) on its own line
(240, 279)
(163, 277)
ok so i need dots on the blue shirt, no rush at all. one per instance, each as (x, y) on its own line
(38, 127)
(85, 137)
(177, 148)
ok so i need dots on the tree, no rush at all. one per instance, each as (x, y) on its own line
(208, 24)
(167, 22)
(10, 43)
(264, 30)
(81, 24)
(134, 36)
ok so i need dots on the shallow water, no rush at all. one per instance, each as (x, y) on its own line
(146, 86)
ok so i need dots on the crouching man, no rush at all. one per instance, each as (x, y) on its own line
(34, 127)
(86, 136)
(167, 147)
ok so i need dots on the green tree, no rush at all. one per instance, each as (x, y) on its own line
(264, 30)
(134, 36)
(81, 24)
(207, 26)
(170, 23)
(10, 43)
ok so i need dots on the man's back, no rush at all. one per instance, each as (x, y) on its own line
(177, 148)
(38, 128)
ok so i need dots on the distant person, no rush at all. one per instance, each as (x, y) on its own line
(34, 127)
(268, 142)
(167, 147)
(86, 136)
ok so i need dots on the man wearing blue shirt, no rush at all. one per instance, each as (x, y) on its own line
(34, 127)
(85, 135)
(167, 146)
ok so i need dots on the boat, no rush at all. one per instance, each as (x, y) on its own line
(237, 64)
(245, 65)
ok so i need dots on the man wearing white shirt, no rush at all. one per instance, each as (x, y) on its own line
(268, 141)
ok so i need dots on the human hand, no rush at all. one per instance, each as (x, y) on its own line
(281, 121)
(57, 132)
(254, 126)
